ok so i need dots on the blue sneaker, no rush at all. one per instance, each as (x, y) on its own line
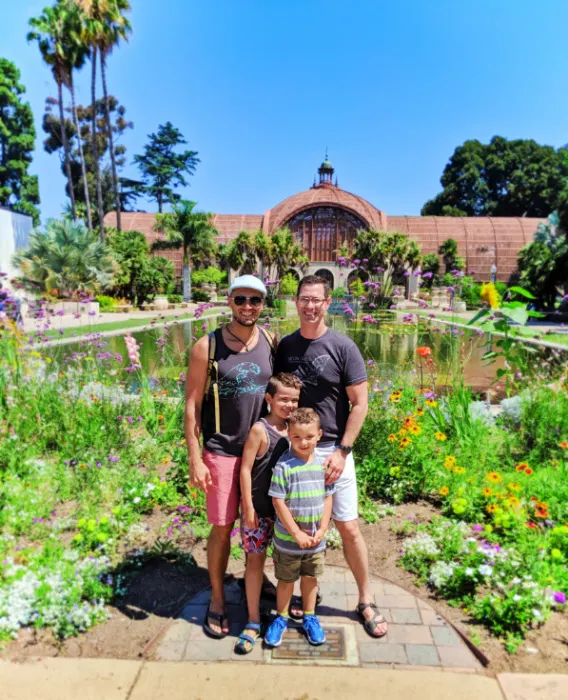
(313, 629)
(274, 634)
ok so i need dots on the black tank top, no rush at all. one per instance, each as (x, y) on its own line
(262, 471)
(242, 380)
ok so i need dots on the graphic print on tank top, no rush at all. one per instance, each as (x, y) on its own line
(241, 379)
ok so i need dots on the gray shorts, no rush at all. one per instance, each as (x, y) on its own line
(345, 498)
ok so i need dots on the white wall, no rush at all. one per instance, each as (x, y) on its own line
(14, 234)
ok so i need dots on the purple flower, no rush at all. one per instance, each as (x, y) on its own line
(112, 458)
(559, 597)
(478, 528)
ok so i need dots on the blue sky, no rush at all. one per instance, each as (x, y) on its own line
(261, 88)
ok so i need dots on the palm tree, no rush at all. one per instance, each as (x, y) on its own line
(190, 230)
(287, 252)
(52, 35)
(67, 257)
(105, 26)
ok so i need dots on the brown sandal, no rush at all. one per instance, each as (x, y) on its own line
(371, 624)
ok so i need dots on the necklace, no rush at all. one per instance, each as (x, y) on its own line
(236, 337)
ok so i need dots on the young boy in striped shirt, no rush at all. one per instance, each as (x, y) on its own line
(303, 503)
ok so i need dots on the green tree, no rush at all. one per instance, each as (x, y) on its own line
(18, 189)
(190, 230)
(388, 253)
(449, 251)
(141, 276)
(162, 168)
(287, 252)
(52, 144)
(430, 269)
(501, 178)
(543, 264)
(53, 32)
(67, 257)
(104, 27)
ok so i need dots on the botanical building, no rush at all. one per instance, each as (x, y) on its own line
(325, 216)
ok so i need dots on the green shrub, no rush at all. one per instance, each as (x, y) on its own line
(175, 298)
(106, 302)
(338, 293)
(211, 275)
(199, 296)
(288, 285)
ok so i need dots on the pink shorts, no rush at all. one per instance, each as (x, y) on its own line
(223, 493)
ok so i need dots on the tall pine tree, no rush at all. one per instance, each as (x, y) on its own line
(18, 189)
(162, 168)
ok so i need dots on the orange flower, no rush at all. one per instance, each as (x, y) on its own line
(494, 477)
(564, 444)
(391, 438)
(541, 513)
(424, 351)
(492, 508)
(528, 471)
(404, 442)
(408, 421)
(444, 491)
(521, 467)
(487, 492)
(533, 526)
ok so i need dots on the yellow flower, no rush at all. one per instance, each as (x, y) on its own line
(500, 495)
(492, 508)
(513, 501)
(419, 412)
(450, 462)
(395, 396)
(391, 438)
(459, 470)
(415, 430)
(431, 403)
(440, 436)
(490, 295)
(494, 477)
(487, 492)
(514, 486)
(404, 442)
(444, 491)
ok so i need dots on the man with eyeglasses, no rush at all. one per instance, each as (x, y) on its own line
(228, 373)
(334, 378)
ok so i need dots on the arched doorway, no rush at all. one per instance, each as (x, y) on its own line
(327, 276)
(355, 275)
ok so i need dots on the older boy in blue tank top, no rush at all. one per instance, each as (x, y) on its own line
(266, 443)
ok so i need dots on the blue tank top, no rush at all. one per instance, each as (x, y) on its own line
(242, 381)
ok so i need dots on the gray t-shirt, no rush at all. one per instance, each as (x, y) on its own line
(325, 365)
(302, 487)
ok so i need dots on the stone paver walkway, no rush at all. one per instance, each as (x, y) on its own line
(418, 637)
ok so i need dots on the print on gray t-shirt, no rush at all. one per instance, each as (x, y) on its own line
(325, 365)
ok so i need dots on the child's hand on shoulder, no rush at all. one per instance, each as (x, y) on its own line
(303, 540)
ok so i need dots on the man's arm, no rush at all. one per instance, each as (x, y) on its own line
(254, 445)
(302, 539)
(199, 474)
(358, 395)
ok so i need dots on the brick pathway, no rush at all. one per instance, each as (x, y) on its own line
(417, 637)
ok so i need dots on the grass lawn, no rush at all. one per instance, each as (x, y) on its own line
(133, 322)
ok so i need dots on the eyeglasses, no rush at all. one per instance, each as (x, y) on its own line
(304, 301)
(241, 300)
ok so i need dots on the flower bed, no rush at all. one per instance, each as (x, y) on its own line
(501, 484)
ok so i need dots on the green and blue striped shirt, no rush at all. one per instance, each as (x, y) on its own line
(302, 487)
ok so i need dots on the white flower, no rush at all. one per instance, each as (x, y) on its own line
(517, 597)
(440, 573)
(469, 571)
(536, 613)
(485, 570)
(137, 499)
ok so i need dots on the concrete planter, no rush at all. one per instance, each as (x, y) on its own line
(460, 307)
(160, 302)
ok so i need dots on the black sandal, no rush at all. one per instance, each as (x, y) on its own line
(371, 624)
(219, 618)
(297, 603)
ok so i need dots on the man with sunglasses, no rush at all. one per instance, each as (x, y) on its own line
(334, 378)
(225, 388)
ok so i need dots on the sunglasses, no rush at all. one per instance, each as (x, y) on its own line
(241, 300)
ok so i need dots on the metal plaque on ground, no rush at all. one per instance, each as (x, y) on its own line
(295, 646)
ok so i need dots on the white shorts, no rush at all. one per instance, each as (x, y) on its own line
(345, 498)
